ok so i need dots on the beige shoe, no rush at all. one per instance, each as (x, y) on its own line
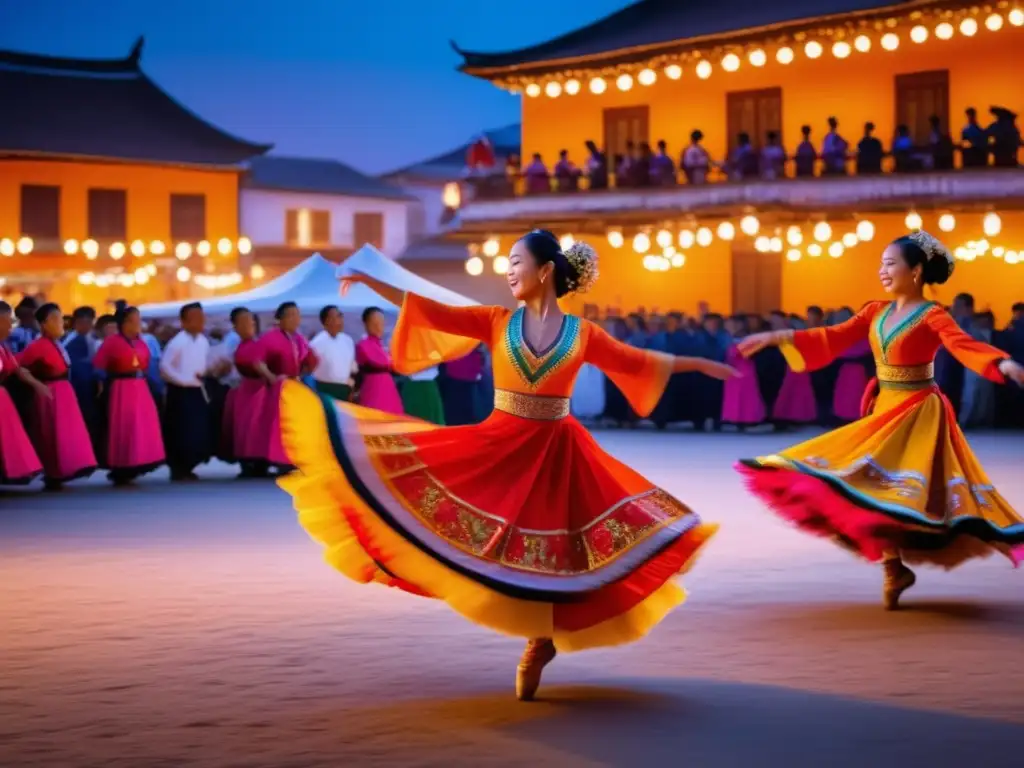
(538, 654)
(898, 579)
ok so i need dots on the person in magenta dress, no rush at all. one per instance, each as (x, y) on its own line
(742, 403)
(851, 380)
(795, 403)
(287, 355)
(377, 389)
(19, 464)
(130, 443)
(248, 438)
(56, 426)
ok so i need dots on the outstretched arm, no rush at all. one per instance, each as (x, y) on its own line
(982, 358)
(392, 294)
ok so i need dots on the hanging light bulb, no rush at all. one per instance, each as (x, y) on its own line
(663, 238)
(862, 43)
(624, 81)
(203, 248)
(784, 55)
(726, 231)
(572, 86)
(138, 249)
(913, 220)
(919, 34)
(686, 239)
(474, 266)
(615, 238)
(641, 242)
(491, 247)
(730, 62)
(944, 31)
(1016, 17)
(673, 71)
(182, 251)
(814, 250)
(7, 247)
(813, 49)
(775, 244)
(91, 249)
(647, 77)
(850, 240)
(890, 41)
(793, 254)
(994, 23)
(835, 250)
(947, 222)
(71, 247)
(184, 274)
(598, 86)
(763, 244)
(533, 90)
(822, 231)
(678, 259)
(841, 49)
(244, 246)
(25, 245)
(865, 231)
(157, 248)
(566, 241)
(794, 235)
(553, 89)
(704, 237)
(704, 69)
(650, 262)
(757, 58)
(968, 27)
(224, 246)
(500, 265)
(991, 225)
(749, 225)
(117, 251)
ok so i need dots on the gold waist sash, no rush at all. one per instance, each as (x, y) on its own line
(531, 406)
(905, 376)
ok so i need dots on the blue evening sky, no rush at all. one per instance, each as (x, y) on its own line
(370, 82)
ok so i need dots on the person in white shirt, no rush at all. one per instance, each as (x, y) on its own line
(337, 355)
(188, 435)
(422, 398)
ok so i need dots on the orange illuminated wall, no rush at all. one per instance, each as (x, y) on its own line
(984, 70)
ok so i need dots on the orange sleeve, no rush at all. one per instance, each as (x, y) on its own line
(640, 374)
(815, 348)
(429, 333)
(980, 357)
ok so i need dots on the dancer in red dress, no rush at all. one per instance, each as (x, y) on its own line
(19, 463)
(56, 426)
(521, 523)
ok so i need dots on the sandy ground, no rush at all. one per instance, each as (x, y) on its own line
(196, 626)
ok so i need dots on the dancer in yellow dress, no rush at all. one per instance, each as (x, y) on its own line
(521, 523)
(901, 485)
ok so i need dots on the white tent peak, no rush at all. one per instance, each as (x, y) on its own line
(369, 261)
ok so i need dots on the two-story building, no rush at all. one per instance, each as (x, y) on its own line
(111, 188)
(291, 207)
(756, 232)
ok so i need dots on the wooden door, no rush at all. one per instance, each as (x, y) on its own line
(754, 113)
(756, 281)
(624, 124)
(919, 95)
(368, 228)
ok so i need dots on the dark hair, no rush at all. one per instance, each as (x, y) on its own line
(815, 309)
(934, 271)
(27, 304)
(965, 298)
(696, 135)
(369, 311)
(327, 311)
(236, 313)
(105, 320)
(5, 308)
(45, 311)
(1018, 307)
(83, 312)
(284, 307)
(123, 313)
(545, 248)
(805, 130)
(183, 312)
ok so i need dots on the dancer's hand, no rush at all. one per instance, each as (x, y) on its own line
(755, 342)
(719, 370)
(1013, 371)
(348, 281)
(43, 390)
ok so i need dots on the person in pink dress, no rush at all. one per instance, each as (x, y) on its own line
(286, 355)
(795, 403)
(742, 404)
(56, 426)
(19, 464)
(851, 382)
(247, 438)
(130, 443)
(377, 389)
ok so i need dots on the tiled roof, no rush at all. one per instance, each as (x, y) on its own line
(104, 108)
(331, 177)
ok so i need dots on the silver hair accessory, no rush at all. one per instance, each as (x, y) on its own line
(933, 248)
(583, 259)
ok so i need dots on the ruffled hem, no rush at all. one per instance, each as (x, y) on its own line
(362, 546)
(820, 507)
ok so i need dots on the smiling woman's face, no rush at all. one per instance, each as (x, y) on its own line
(896, 277)
(525, 279)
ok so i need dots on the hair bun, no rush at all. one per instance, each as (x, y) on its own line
(583, 260)
(939, 264)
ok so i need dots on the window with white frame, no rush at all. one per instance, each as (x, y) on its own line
(305, 227)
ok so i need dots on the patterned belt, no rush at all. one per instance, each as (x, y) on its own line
(905, 376)
(531, 406)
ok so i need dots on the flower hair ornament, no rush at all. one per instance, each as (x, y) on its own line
(933, 248)
(583, 259)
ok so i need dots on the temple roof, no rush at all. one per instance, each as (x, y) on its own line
(450, 165)
(650, 25)
(329, 177)
(104, 108)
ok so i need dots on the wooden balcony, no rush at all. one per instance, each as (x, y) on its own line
(955, 190)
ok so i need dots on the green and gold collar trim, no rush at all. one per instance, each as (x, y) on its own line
(534, 367)
(885, 339)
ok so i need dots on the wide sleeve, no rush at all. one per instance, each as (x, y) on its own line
(429, 333)
(640, 374)
(817, 347)
(980, 357)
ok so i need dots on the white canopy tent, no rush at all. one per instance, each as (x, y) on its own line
(369, 261)
(312, 285)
